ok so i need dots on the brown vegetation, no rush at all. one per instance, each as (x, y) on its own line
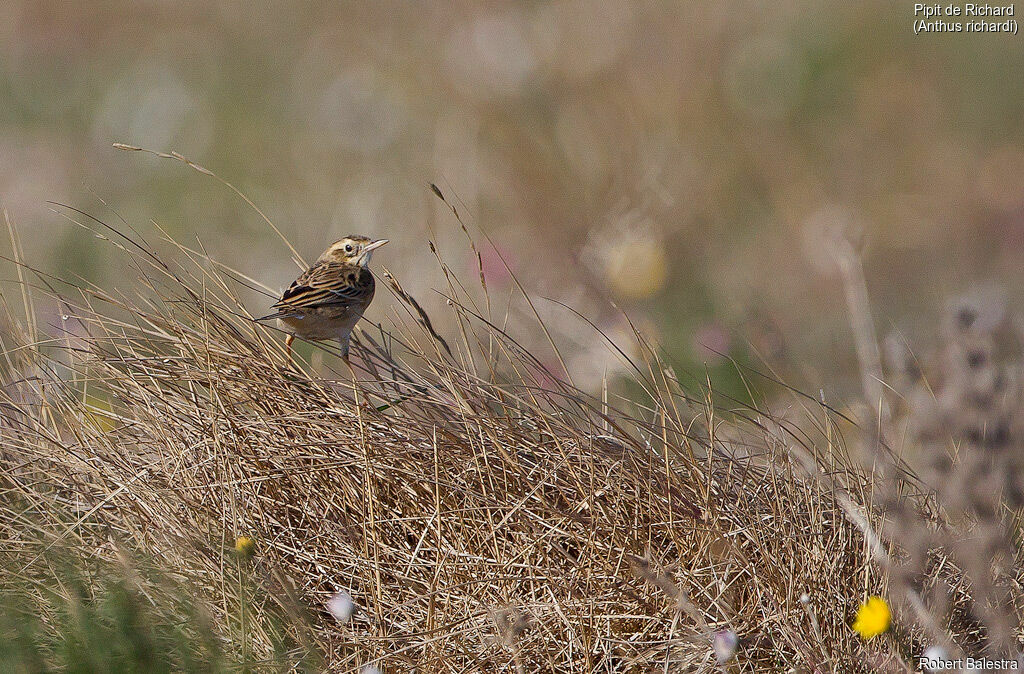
(482, 512)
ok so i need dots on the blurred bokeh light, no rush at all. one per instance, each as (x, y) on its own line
(668, 159)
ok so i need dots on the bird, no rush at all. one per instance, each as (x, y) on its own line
(328, 299)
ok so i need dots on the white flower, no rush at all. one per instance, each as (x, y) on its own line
(724, 643)
(342, 607)
(931, 654)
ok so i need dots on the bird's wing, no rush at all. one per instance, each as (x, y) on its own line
(325, 284)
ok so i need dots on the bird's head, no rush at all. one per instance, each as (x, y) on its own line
(353, 249)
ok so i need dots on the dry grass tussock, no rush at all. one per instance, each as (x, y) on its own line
(482, 513)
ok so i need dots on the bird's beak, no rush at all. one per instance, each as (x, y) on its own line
(374, 245)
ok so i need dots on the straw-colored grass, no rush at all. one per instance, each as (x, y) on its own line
(483, 513)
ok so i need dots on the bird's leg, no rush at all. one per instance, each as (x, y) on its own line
(288, 346)
(355, 380)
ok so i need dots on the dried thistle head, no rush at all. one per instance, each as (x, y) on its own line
(965, 415)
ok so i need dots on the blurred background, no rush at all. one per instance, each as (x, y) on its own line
(683, 162)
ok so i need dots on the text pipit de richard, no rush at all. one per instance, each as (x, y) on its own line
(964, 17)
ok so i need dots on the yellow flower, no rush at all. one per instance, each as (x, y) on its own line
(873, 618)
(245, 546)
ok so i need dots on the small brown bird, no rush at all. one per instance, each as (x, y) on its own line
(329, 298)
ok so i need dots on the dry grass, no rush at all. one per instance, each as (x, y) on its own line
(484, 514)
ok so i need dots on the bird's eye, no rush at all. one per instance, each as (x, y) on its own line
(348, 247)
